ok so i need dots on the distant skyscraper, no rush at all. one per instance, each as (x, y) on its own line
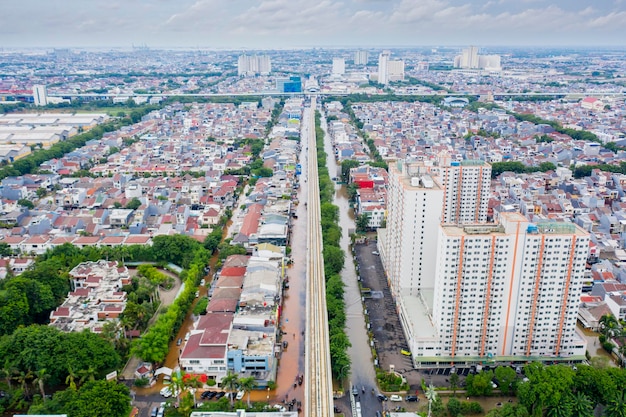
(339, 66)
(469, 59)
(383, 60)
(360, 58)
(395, 70)
(248, 65)
(40, 95)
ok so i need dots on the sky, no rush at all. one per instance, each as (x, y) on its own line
(269, 24)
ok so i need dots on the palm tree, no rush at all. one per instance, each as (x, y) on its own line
(177, 384)
(230, 383)
(88, 374)
(609, 326)
(247, 384)
(6, 374)
(616, 406)
(40, 378)
(562, 408)
(70, 380)
(431, 395)
(22, 378)
(581, 405)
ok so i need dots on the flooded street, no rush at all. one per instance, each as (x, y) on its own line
(362, 370)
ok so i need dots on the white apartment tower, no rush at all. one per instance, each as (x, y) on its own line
(360, 58)
(415, 202)
(467, 186)
(395, 70)
(249, 65)
(383, 60)
(339, 66)
(505, 292)
(467, 291)
(40, 95)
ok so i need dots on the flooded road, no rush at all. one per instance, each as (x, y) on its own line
(362, 370)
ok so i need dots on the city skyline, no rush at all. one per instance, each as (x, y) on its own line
(301, 23)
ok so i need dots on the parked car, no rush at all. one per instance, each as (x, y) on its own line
(381, 397)
(396, 398)
(154, 412)
(240, 395)
(375, 253)
(411, 398)
(207, 395)
(179, 341)
(219, 395)
(166, 391)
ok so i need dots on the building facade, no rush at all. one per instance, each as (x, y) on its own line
(383, 60)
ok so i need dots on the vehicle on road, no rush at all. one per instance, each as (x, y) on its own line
(167, 392)
(396, 398)
(179, 341)
(411, 398)
(381, 397)
(375, 252)
(405, 352)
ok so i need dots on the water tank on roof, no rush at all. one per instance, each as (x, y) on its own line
(455, 163)
(532, 228)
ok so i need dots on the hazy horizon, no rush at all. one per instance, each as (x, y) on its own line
(303, 24)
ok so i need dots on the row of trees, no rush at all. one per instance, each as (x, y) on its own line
(32, 162)
(498, 168)
(334, 258)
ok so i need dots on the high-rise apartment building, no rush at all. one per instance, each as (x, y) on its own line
(415, 203)
(467, 186)
(395, 70)
(383, 60)
(469, 59)
(507, 292)
(249, 65)
(468, 291)
(360, 58)
(339, 66)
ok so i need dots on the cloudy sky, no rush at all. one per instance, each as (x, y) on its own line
(307, 23)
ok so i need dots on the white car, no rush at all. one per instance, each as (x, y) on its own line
(239, 395)
(396, 398)
(166, 391)
(279, 407)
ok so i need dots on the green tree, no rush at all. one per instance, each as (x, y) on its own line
(247, 384)
(100, 399)
(26, 203)
(229, 383)
(617, 405)
(334, 258)
(454, 407)
(454, 383)
(41, 376)
(507, 379)
(133, 204)
(346, 166)
(609, 326)
(581, 405)
(362, 222)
